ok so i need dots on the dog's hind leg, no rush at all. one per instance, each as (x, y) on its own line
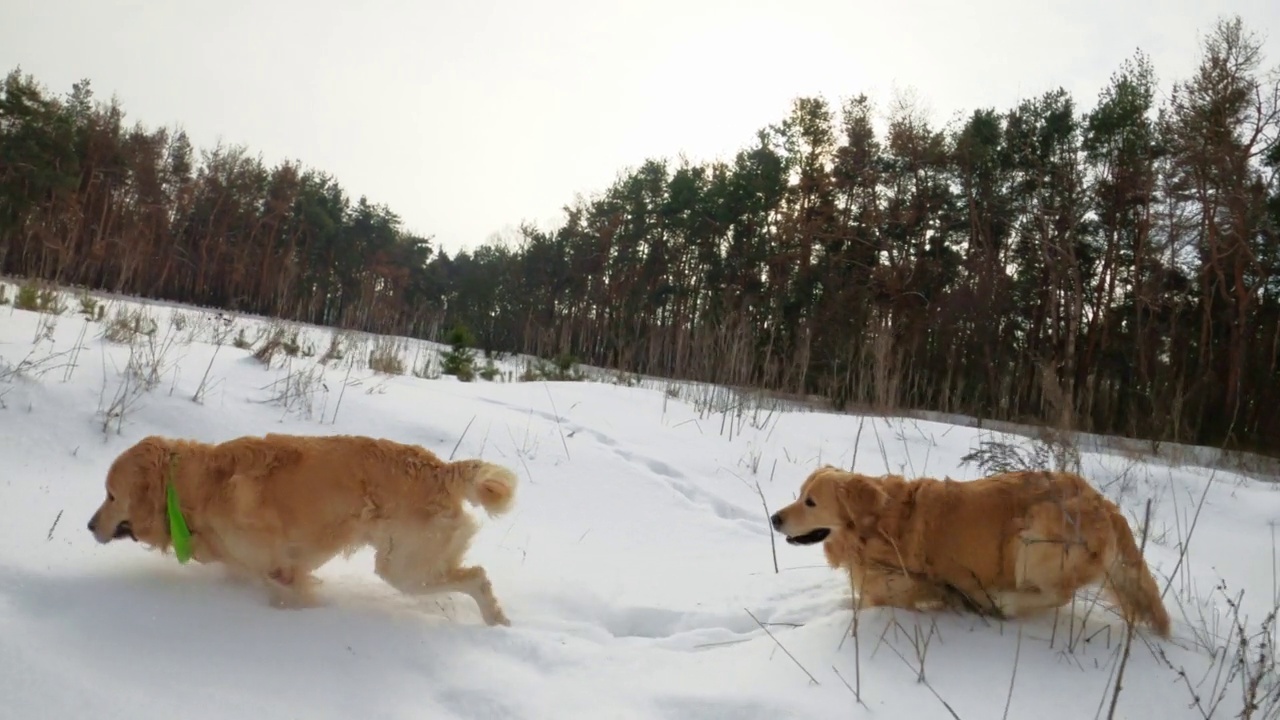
(1021, 603)
(473, 581)
(415, 567)
(1060, 552)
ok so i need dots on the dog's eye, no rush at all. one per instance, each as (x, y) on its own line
(809, 502)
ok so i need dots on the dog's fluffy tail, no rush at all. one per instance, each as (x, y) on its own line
(1132, 583)
(488, 485)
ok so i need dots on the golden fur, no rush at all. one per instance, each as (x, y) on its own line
(1008, 545)
(276, 508)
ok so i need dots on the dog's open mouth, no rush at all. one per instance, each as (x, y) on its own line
(123, 530)
(810, 538)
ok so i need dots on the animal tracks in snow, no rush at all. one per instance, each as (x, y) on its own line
(682, 485)
(703, 627)
(667, 473)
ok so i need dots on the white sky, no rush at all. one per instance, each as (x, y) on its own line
(466, 118)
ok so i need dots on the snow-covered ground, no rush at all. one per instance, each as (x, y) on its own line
(637, 568)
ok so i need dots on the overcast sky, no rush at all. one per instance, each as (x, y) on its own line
(467, 117)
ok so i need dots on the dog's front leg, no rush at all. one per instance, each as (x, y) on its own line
(290, 590)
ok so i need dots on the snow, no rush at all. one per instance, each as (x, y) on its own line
(634, 567)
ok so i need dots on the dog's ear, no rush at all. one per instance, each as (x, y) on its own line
(861, 500)
(823, 473)
(152, 445)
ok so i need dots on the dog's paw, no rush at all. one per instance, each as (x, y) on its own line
(236, 575)
(293, 602)
(291, 599)
(497, 617)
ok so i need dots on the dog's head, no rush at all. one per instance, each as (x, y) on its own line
(831, 500)
(135, 504)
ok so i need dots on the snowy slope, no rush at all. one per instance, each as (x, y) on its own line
(631, 569)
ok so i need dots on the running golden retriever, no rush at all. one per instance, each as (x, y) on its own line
(276, 508)
(1008, 545)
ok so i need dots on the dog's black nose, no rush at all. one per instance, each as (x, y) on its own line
(93, 524)
(776, 520)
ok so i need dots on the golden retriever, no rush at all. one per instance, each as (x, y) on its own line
(1008, 545)
(276, 508)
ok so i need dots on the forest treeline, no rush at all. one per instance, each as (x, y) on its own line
(1115, 269)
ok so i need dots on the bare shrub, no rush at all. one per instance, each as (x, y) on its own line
(154, 355)
(272, 343)
(220, 336)
(39, 360)
(385, 358)
(179, 320)
(1051, 451)
(995, 456)
(1242, 659)
(625, 379)
(563, 367)
(90, 307)
(337, 350)
(297, 390)
(530, 373)
(738, 408)
(149, 360)
(126, 325)
(128, 393)
(291, 345)
(431, 366)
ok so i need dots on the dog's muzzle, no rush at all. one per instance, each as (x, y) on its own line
(809, 538)
(124, 529)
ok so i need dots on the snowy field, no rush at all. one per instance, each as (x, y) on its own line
(637, 568)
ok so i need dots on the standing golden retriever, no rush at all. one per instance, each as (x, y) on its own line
(276, 508)
(1009, 545)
